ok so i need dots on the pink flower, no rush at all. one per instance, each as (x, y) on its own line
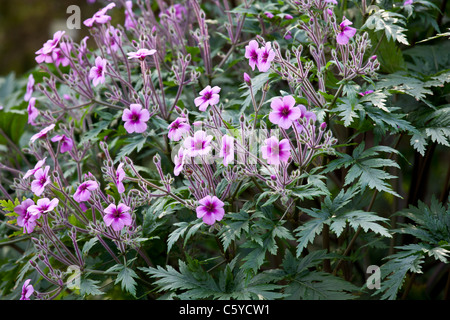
(120, 175)
(199, 144)
(179, 161)
(210, 210)
(177, 128)
(227, 150)
(66, 142)
(21, 210)
(33, 112)
(112, 40)
(208, 97)
(129, 23)
(42, 133)
(288, 17)
(29, 222)
(27, 290)
(141, 54)
(100, 16)
(135, 118)
(252, 53)
(305, 116)
(362, 94)
(247, 79)
(345, 33)
(283, 112)
(274, 151)
(38, 165)
(97, 73)
(408, 2)
(30, 86)
(60, 55)
(43, 57)
(266, 56)
(117, 216)
(41, 180)
(46, 52)
(269, 14)
(42, 206)
(83, 192)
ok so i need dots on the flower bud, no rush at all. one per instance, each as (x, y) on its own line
(247, 79)
(288, 17)
(323, 126)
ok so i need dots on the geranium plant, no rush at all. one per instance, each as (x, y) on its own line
(200, 150)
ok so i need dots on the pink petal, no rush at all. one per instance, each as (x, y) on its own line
(145, 115)
(288, 101)
(209, 219)
(205, 90)
(140, 127)
(274, 117)
(342, 39)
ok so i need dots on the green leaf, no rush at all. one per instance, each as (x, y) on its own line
(90, 287)
(389, 23)
(236, 225)
(304, 284)
(347, 110)
(364, 168)
(133, 143)
(307, 232)
(126, 278)
(359, 218)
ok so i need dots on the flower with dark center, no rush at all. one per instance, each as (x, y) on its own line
(135, 118)
(208, 97)
(252, 53)
(117, 216)
(274, 151)
(283, 112)
(210, 210)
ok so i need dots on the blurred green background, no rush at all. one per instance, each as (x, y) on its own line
(25, 25)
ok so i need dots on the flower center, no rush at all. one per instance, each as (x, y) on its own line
(117, 213)
(265, 56)
(285, 111)
(99, 71)
(199, 145)
(135, 117)
(207, 96)
(254, 55)
(210, 207)
(43, 180)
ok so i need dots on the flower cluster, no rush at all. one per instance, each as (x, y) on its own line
(142, 94)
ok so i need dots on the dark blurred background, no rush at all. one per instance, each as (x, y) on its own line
(25, 25)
